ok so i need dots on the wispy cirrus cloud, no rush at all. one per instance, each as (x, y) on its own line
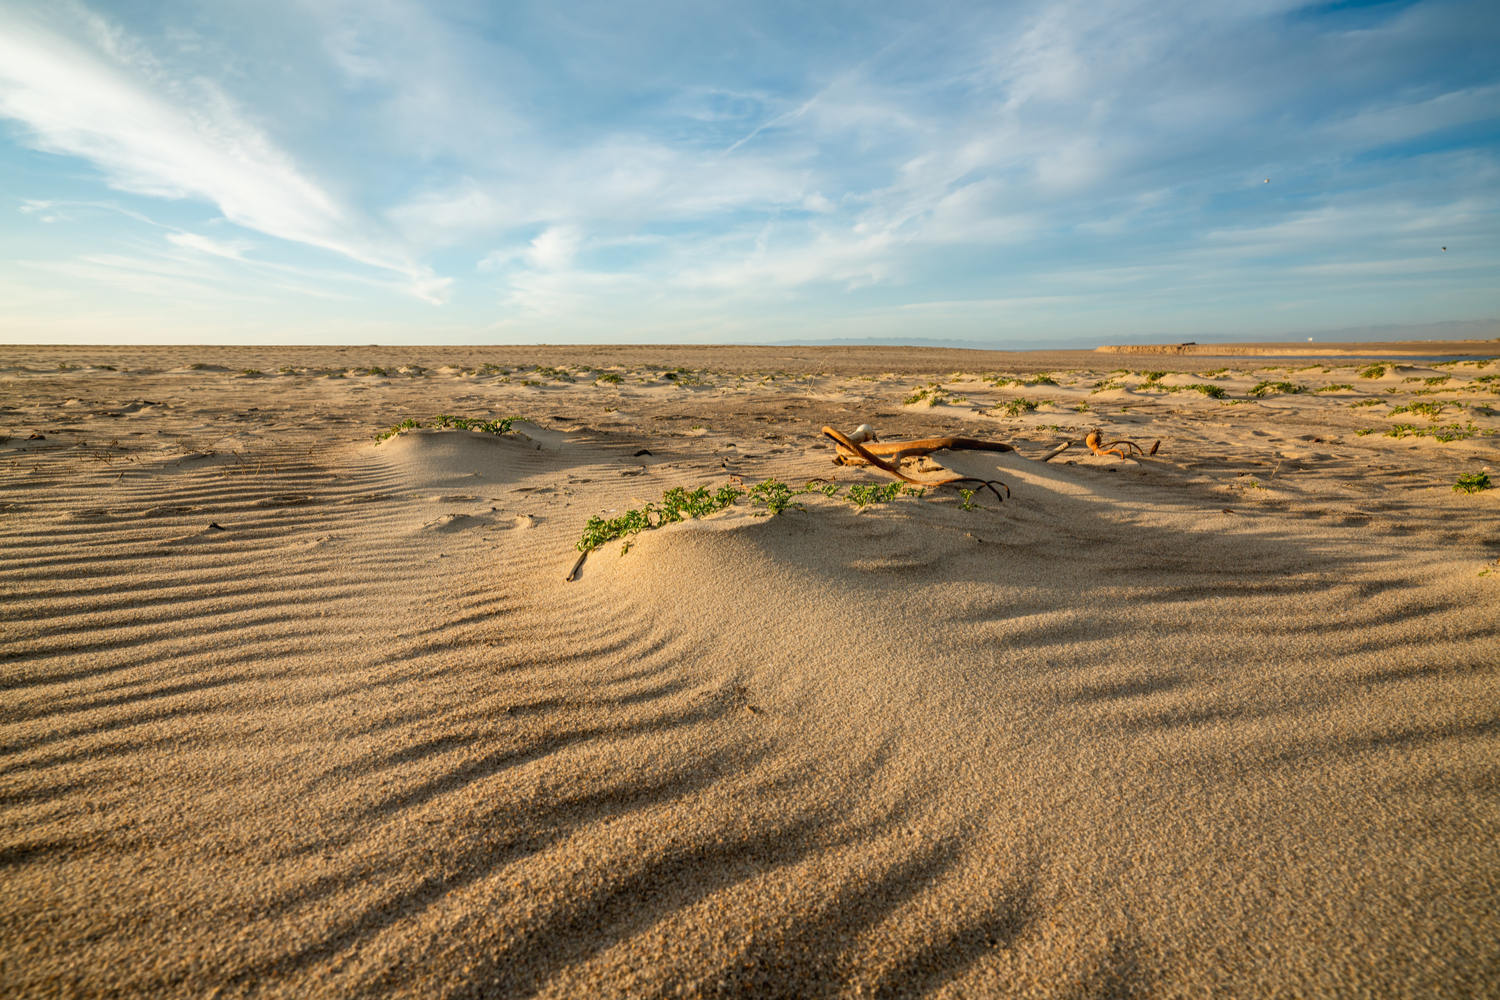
(82, 88)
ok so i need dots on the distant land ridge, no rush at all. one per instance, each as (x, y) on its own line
(1382, 348)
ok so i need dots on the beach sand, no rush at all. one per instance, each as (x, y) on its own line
(292, 713)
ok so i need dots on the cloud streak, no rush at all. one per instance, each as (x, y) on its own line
(113, 105)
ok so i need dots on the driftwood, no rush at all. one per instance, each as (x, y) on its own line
(887, 456)
(1096, 443)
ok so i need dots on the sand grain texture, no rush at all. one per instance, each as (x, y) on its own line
(291, 713)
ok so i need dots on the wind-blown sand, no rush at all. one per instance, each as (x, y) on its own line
(288, 712)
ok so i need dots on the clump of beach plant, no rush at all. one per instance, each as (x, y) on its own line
(1266, 387)
(251, 373)
(1214, 373)
(1372, 372)
(677, 504)
(376, 370)
(502, 426)
(1366, 403)
(612, 378)
(1442, 432)
(1437, 380)
(1020, 405)
(1472, 483)
(1334, 387)
(1042, 379)
(861, 494)
(1430, 410)
(1217, 392)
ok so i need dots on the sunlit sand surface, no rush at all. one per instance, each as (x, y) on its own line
(290, 712)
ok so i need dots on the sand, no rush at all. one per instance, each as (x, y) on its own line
(292, 713)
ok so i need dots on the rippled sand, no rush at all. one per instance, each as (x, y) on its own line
(289, 712)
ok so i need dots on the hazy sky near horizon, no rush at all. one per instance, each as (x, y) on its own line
(401, 172)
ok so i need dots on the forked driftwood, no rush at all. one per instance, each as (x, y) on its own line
(1096, 443)
(887, 456)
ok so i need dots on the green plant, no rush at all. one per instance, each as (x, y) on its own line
(1217, 392)
(1082, 408)
(1412, 378)
(1215, 373)
(1267, 387)
(375, 370)
(405, 425)
(774, 496)
(1437, 380)
(1104, 384)
(1042, 379)
(1334, 387)
(1429, 410)
(1442, 432)
(251, 372)
(1372, 372)
(677, 504)
(1472, 483)
(486, 369)
(1154, 376)
(861, 494)
(502, 426)
(610, 377)
(1366, 403)
(967, 504)
(1020, 405)
(1364, 431)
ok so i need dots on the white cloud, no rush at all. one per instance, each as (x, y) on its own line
(234, 250)
(151, 135)
(554, 248)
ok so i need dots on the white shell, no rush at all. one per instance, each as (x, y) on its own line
(863, 433)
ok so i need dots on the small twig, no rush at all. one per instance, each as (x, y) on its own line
(577, 566)
(1059, 450)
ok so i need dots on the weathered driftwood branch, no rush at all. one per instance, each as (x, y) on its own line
(887, 456)
(1059, 450)
(1096, 443)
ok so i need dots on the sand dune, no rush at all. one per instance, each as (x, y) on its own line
(292, 712)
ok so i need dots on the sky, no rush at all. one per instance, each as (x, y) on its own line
(1060, 173)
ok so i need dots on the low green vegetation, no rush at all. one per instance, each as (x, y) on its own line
(1217, 392)
(1020, 405)
(502, 426)
(1437, 380)
(1372, 372)
(1472, 483)
(1335, 387)
(1441, 432)
(1266, 388)
(1366, 403)
(611, 378)
(1429, 410)
(677, 504)
(1215, 373)
(862, 494)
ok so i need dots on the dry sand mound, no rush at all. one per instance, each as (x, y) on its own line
(315, 716)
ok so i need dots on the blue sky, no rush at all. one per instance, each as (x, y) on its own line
(393, 172)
